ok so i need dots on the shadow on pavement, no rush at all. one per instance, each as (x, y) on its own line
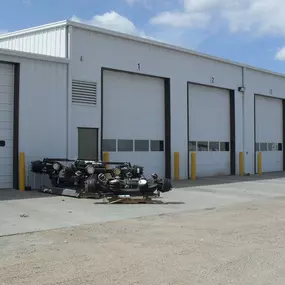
(153, 202)
(12, 194)
(219, 180)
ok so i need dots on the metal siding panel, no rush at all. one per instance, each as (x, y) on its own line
(50, 42)
(46, 95)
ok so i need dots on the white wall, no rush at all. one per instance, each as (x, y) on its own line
(258, 83)
(43, 112)
(91, 51)
(47, 42)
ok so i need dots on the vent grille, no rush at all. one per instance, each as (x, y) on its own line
(84, 92)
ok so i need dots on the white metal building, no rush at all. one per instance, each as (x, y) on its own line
(142, 101)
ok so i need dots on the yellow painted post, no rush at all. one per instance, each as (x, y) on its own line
(176, 166)
(193, 165)
(241, 163)
(22, 171)
(259, 163)
(106, 157)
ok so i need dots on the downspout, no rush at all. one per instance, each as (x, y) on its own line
(69, 90)
(243, 117)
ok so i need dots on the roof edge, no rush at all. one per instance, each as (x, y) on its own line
(34, 29)
(29, 55)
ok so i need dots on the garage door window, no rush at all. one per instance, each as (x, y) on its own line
(156, 145)
(109, 145)
(224, 146)
(214, 146)
(263, 146)
(125, 145)
(141, 145)
(192, 146)
(203, 146)
(268, 147)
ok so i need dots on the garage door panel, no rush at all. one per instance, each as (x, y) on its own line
(6, 80)
(269, 132)
(5, 151)
(6, 125)
(6, 128)
(6, 181)
(269, 123)
(5, 132)
(207, 119)
(136, 102)
(213, 164)
(6, 166)
(5, 115)
(6, 91)
(272, 161)
(209, 129)
(133, 110)
(6, 67)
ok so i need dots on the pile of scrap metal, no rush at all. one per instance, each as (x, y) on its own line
(98, 180)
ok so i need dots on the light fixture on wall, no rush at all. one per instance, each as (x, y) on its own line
(241, 89)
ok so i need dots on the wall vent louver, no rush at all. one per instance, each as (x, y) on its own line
(84, 92)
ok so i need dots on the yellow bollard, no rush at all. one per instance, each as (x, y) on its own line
(176, 166)
(241, 163)
(106, 157)
(259, 163)
(22, 171)
(193, 165)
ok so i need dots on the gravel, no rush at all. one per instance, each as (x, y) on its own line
(239, 245)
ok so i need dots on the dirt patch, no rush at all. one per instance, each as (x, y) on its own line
(235, 245)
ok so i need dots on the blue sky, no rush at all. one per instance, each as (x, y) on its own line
(249, 31)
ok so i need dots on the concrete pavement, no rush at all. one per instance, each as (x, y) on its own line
(32, 211)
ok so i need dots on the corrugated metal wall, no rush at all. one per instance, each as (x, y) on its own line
(47, 42)
(43, 87)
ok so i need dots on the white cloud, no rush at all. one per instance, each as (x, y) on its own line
(113, 21)
(206, 5)
(280, 55)
(257, 16)
(116, 22)
(265, 17)
(180, 19)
